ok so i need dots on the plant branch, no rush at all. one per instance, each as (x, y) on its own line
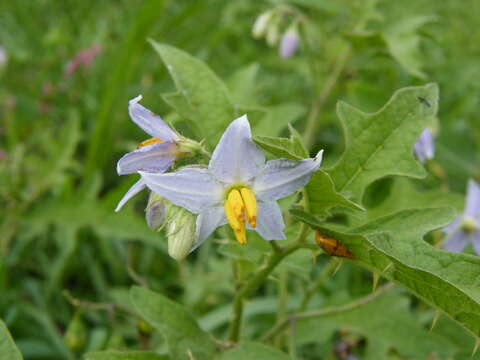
(323, 312)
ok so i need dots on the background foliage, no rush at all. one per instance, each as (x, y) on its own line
(68, 262)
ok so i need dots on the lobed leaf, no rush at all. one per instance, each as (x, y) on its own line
(124, 355)
(253, 351)
(381, 143)
(393, 247)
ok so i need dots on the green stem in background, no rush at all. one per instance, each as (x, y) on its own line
(253, 284)
(327, 270)
(282, 300)
(324, 312)
(312, 120)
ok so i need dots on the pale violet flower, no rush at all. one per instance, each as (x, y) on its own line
(289, 43)
(425, 146)
(238, 187)
(3, 57)
(155, 155)
(466, 227)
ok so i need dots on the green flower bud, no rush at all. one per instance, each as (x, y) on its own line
(181, 234)
(155, 212)
(273, 35)
(261, 24)
(76, 334)
(144, 328)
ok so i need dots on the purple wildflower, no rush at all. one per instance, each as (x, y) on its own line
(156, 154)
(425, 146)
(466, 227)
(289, 43)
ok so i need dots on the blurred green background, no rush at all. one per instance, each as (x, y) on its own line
(71, 68)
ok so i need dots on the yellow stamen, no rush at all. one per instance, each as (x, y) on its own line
(250, 205)
(241, 204)
(150, 141)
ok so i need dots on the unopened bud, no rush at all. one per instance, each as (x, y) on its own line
(181, 234)
(75, 335)
(273, 35)
(3, 57)
(290, 42)
(261, 25)
(156, 211)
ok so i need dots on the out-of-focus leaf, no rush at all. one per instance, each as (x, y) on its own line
(8, 349)
(403, 42)
(277, 118)
(392, 246)
(381, 143)
(242, 85)
(253, 351)
(184, 337)
(124, 355)
(202, 97)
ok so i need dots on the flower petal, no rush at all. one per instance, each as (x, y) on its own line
(476, 241)
(134, 190)
(454, 226)
(456, 242)
(153, 158)
(425, 146)
(283, 177)
(236, 158)
(149, 122)
(191, 188)
(472, 206)
(207, 221)
(270, 223)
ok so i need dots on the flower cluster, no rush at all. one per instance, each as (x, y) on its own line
(268, 25)
(237, 187)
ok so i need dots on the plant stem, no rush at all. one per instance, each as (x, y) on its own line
(326, 271)
(323, 312)
(253, 284)
(312, 120)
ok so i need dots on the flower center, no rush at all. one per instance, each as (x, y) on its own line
(469, 225)
(150, 141)
(241, 204)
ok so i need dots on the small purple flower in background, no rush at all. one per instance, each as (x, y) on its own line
(156, 154)
(289, 43)
(3, 57)
(466, 227)
(82, 59)
(425, 146)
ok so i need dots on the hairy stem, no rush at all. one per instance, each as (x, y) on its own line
(323, 312)
(253, 284)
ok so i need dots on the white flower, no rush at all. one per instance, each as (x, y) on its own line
(238, 186)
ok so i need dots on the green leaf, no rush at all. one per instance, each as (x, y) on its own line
(322, 195)
(277, 118)
(202, 97)
(381, 143)
(124, 355)
(393, 246)
(8, 349)
(184, 337)
(403, 42)
(291, 148)
(254, 351)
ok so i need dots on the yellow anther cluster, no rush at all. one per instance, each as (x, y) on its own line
(241, 206)
(150, 141)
